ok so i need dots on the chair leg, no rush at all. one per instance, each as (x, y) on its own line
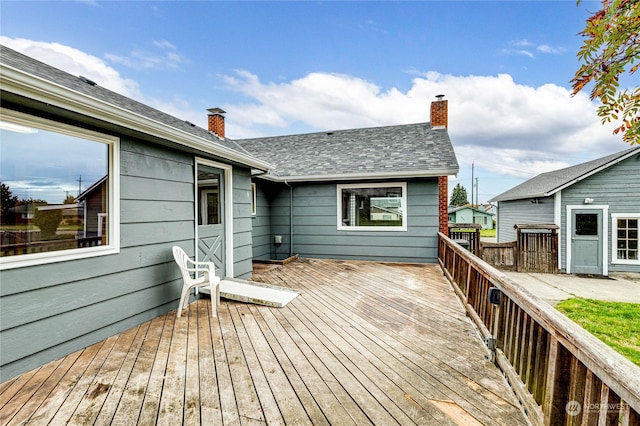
(184, 298)
(213, 290)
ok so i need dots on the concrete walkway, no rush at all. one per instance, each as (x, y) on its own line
(555, 288)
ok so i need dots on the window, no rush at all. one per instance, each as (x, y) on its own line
(209, 198)
(625, 238)
(373, 207)
(58, 191)
(587, 224)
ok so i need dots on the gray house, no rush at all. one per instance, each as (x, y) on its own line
(373, 194)
(167, 183)
(596, 205)
(154, 181)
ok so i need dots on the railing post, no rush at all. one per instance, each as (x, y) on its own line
(556, 384)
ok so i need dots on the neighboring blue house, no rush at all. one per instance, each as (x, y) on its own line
(468, 214)
(596, 205)
(155, 181)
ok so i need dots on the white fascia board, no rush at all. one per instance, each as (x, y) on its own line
(596, 170)
(358, 176)
(30, 86)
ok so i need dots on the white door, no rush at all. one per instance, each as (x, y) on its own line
(210, 187)
(586, 242)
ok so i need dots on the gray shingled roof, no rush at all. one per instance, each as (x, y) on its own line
(546, 184)
(39, 69)
(401, 150)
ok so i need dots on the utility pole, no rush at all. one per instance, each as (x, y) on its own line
(79, 185)
(472, 165)
(477, 202)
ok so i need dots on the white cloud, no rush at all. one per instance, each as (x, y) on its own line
(545, 48)
(504, 127)
(167, 58)
(75, 62)
(79, 63)
(527, 48)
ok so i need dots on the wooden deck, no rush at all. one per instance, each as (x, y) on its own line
(364, 343)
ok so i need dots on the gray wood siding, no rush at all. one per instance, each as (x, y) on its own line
(280, 222)
(515, 212)
(617, 187)
(242, 238)
(315, 232)
(261, 226)
(48, 311)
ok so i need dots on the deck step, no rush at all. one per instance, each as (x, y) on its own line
(255, 292)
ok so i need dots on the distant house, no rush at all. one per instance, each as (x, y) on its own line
(94, 210)
(596, 205)
(468, 214)
(378, 193)
(374, 194)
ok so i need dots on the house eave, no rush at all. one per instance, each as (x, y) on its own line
(523, 197)
(30, 86)
(359, 176)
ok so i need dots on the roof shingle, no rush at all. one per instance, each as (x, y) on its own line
(546, 184)
(409, 149)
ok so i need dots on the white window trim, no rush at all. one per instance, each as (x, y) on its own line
(254, 199)
(342, 227)
(614, 238)
(113, 143)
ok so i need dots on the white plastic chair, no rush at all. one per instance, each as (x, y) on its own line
(208, 279)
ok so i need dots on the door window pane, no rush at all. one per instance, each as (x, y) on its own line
(587, 224)
(209, 197)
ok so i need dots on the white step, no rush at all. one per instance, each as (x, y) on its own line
(254, 292)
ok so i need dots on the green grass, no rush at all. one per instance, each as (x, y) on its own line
(488, 232)
(616, 324)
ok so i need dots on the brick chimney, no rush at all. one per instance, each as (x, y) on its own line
(216, 121)
(440, 119)
(439, 112)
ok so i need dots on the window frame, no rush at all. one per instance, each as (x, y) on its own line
(372, 185)
(254, 199)
(113, 198)
(614, 238)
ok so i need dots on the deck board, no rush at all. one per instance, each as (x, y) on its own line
(364, 343)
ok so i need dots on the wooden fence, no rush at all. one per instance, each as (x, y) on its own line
(469, 232)
(560, 373)
(535, 250)
(501, 255)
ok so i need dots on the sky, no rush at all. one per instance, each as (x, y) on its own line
(281, 68)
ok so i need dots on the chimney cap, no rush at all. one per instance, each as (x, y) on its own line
(216, 111)
(439, 97)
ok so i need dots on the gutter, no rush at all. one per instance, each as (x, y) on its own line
(30, 86)
(360, 176)
(290, 218)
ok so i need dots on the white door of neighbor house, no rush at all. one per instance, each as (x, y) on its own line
(210, 212)
(586, 242)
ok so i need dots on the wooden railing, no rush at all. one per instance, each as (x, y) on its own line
(560, 373)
